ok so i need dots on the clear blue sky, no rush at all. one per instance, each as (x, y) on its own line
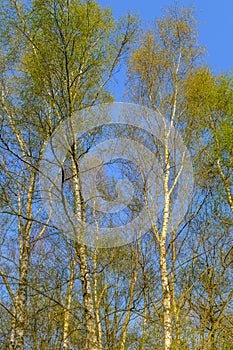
(215, 25)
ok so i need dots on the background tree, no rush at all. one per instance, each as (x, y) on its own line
(157, 70)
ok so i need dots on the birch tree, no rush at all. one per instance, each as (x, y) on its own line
(157, 70)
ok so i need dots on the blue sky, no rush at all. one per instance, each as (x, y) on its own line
(215, 25)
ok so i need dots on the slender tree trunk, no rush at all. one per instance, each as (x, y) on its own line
(167, 315)
(166, 298)
(91, 329)
(19, 323)
(90, 317)
(97, 301)
(21, 299)
(68, 305)
(12, 337)
(175, 305)
(143, 339)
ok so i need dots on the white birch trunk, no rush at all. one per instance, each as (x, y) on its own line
(90, 317)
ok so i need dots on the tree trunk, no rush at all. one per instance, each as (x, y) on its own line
(20, 309)
(97, 301)
(166, 298)
(90, 318)
(167, 316)
(91, 337)
(19, 323)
